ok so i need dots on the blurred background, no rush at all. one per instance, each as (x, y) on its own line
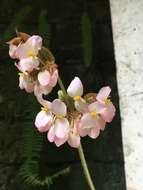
(79, 34)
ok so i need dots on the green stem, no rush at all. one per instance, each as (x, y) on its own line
(80, 149)
(64, 91)
(85, 168)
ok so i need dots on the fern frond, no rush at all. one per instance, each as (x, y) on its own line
(30, 179)
(29, 176)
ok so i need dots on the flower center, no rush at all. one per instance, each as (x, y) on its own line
(60, 117)
(21, 74)
(77, 98)
(45, 109)
(107, 101)
(93, 114)
(31, 54)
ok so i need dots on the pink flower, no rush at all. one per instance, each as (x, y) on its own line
(25, 83)
(75, 90)
(45, 78)
(45, 83)
(59, 131)
(27, 53)
(91, 123)
(27, 64)
(104, 101)
(44, 118)
(30, 48)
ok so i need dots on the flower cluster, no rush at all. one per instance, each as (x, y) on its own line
(88, 117)
(35, 74)
(67, 118)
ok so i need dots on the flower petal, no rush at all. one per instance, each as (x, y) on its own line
(54, 78)
(109, 112)
(103, 93)
(97, 107)
(28, 64)
(81, 105)
(83, 131)
(51, 134)
(36, 43)
(101, 123)
(24, 83)
(94, 132)
(38, 89)
(74, 140)
(61, 127)
(59, 141)
(43, 121)
(44, 102)
(33, 44)
(12, 51)
(59, 107)
(44, 77)
(21, 51)
(75, 88)
(87, 121)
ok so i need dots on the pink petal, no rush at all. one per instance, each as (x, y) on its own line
(103, 93)
(38, 89)
(109, 113)
(22, 51)
(59, 107)
(81, 105)
(97, 107)
(75, 88)
(54, 78)
(43, 121)
(51, 134)
(94, 132)
(74, 140)
(59, 141)
(24, 83)
(87, 121)
(100, 123)
(44, 77)
(12, 51)
(83, 131)
(61, 127)
(35, 42)
(43, 102)
(28, 64)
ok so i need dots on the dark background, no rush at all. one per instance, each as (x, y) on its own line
(80, 36)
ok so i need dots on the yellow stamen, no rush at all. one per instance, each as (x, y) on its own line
(21, 74)
(107, 101)
(31, 54)
(60, 117)
(93, 114)
(77, 98)
(45, 109)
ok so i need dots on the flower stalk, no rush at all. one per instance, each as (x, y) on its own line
(85, 168)
(63, 90)
(80, 149)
